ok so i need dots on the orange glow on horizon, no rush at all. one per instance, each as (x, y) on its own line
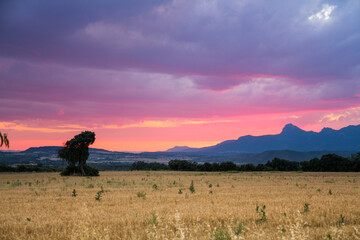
(162, 134)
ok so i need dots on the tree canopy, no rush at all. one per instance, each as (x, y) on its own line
(76, 151)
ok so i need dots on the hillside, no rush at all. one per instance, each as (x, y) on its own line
(291, 138)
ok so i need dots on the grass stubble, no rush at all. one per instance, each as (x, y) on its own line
(147, 205)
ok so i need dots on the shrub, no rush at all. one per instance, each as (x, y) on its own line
(75, 170)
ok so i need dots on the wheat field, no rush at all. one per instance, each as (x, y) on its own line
(160, 205)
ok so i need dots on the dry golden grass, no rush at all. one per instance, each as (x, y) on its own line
(41, 206)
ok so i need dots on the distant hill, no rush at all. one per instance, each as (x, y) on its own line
(291, 138)
(178, 149)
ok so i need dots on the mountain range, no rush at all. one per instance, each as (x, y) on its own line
(291, 138)
(292, 143)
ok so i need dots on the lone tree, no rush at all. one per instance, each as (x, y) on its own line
(4, 140)
(75, 151)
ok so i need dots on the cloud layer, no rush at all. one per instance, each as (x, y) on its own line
(121, 63)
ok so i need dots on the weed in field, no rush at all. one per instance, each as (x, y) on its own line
(262, 213)
(192, 188)
(330, 192)
(210, 185)
(154, 219)
(28, 219)
(15, 184)
(221, 234)
(91, 185)
(180, 191)
(210, 192)
(98, 195)
(74, 193)
(155, 187)
(342, 220)
(238, 229)
(141, 195)
(306, 207)
(318, 190)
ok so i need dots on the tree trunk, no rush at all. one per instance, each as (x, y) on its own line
(82, 169)
(72, 166)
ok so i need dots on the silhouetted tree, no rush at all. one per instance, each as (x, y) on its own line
(249, 167)
(329, 163)
(182, 165)
(75, 151)
(207, 167)
(355, 162)
(154, 166)
(278, 164)
(4, 140)
(228, 166)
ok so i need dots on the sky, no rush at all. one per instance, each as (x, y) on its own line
(151, 75)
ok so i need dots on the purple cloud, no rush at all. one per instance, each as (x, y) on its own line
(206, 38)
(160, 58)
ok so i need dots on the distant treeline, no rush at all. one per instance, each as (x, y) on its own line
(28, 168)
(327, 163)
(46, 168)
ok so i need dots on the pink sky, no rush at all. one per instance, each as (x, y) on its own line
(149, 76)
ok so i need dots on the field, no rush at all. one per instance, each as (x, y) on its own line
(160, 205)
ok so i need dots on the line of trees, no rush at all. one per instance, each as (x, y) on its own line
(154, 166)
(327, 163)
(28, 168)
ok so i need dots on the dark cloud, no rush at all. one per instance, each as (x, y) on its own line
(200, 38)
(140, 59)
